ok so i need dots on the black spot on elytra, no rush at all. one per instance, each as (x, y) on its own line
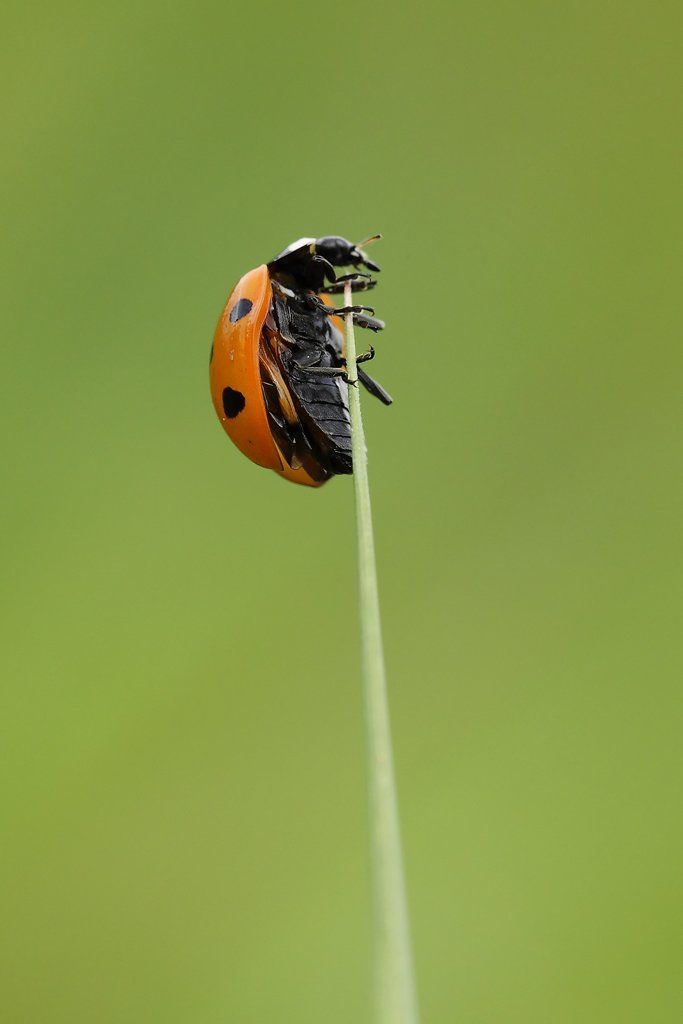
(240, 309)
(233, 402)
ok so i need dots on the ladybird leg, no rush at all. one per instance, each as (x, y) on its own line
(357, 286)
(327, 371)
(358, 313)
(343, 310)
(321, 371)
(325, 266)
(365, 357)
(373, 388)
(368, 322)
(359, 283)
(316, 303)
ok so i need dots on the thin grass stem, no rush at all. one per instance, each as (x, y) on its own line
(394, 981)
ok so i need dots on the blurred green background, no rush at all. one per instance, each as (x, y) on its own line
(184, 832)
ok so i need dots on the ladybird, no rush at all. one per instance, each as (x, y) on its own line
(277, 368)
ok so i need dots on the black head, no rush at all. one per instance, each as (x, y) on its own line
(342, 253)
(310, 261)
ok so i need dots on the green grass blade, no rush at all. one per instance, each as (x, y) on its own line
(395, 995)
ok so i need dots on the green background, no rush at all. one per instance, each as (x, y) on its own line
(184, 831)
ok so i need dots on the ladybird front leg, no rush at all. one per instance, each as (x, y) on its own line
(358, 282)
(343, 310)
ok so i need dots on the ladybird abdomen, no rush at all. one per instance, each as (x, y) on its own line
(323, 407)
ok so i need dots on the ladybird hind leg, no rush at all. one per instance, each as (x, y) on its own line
(336, 371)
(365, 357)
(368, 382)
(320, 371)
(373, 388)
(329, 372)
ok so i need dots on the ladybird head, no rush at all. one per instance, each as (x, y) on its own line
(342, 253)
(309, 262)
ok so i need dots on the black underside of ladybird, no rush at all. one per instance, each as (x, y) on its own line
(321, 401)
(302, 366)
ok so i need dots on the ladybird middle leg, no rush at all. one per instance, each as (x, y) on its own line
(322, 307)
(364, 357)
(371, 323)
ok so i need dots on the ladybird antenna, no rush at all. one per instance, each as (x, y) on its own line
(366, 241)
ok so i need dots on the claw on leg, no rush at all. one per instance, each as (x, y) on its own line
(365, 357)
